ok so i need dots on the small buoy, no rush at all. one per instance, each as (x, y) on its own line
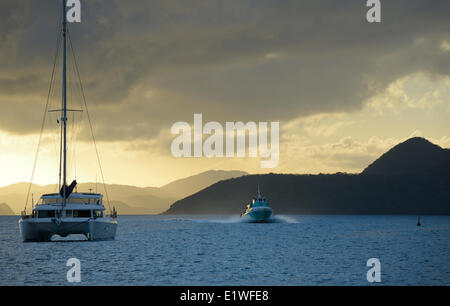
(418, 221)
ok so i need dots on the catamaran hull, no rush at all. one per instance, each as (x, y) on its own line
(35, 230)
(259, 214)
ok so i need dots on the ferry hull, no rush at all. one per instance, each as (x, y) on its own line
(35, 230)
(259, 214)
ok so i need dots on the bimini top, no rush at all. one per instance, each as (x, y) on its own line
(75, 195)
(73, 198)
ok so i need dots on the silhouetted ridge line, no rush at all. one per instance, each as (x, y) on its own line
(411, 178)
(416, 155)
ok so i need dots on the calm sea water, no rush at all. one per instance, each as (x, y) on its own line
(213, 250)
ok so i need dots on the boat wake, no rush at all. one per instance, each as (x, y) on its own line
(285, 219)
(273, 219)
(70, 238)
(236, 219)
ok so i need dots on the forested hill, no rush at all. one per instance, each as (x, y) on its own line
(411, 178)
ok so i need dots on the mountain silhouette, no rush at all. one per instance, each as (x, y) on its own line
(5, 210)
(127, 199)
(416, 155)
(186, 186)
(411, 178)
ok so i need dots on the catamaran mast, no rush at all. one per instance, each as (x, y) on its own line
(64, 100)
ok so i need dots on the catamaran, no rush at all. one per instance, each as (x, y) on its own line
(67, 212)
(258, 210)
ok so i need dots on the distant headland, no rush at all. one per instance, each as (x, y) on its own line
(411, 178)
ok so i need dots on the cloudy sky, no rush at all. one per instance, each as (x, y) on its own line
(343, 90)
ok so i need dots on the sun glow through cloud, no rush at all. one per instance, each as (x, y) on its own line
(342, 96)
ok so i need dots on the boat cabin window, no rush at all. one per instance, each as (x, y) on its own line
(69, 213)
(72, 201)
(77, 201)
(45, 213)
(81, 213)
(84, 201)
(49, 201)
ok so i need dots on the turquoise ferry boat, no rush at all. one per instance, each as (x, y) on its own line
(258, 210)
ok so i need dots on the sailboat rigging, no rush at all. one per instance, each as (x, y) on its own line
(68, 211)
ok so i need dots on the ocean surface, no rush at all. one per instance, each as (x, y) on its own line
(222, 250)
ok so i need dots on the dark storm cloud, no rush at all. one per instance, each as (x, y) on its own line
(147, 64)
